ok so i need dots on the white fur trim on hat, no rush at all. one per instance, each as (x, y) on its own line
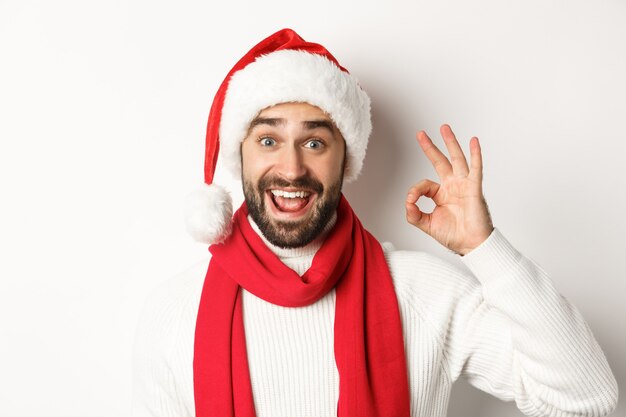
(295, 76)
(208, 214)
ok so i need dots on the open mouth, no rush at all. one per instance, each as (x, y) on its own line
(290, 203)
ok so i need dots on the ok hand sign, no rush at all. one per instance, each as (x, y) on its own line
(460, 220)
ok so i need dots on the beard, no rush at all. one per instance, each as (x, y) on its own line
(292, 233)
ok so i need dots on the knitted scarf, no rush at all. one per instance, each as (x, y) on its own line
(369, 347)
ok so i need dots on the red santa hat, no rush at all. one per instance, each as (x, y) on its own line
(281, 68)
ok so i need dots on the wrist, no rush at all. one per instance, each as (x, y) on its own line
(493, 258)
(478, 241)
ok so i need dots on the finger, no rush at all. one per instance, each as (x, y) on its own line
(436, 157)
(459, 163)
(476, 160)
(426, 188)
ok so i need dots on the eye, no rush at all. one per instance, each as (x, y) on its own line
(314, 144)
(267, 141)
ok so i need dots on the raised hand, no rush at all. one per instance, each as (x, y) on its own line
(461, 219)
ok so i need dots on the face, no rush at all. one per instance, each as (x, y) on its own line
(292, 172)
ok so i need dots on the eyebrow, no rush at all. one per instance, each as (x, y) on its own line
(308, 124)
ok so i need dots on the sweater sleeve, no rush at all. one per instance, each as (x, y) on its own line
(163, 349)
(153, 382)
(517, 338)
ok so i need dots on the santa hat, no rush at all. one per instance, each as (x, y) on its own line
(281, 68)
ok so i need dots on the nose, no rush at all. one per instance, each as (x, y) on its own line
(291, 164)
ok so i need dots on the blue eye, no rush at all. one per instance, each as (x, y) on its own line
(314, 144)
(267, 141)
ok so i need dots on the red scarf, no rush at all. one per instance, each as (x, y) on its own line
(369, 346)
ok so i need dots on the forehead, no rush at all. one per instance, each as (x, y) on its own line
(295, 111)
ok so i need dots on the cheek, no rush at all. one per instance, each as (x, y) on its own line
(252, 165)
(338, 162)
(328, 170)
(254, 170)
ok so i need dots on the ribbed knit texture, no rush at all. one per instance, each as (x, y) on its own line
(504, 327)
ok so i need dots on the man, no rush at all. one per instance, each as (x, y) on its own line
(302, 313)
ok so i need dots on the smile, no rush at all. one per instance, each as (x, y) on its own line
(287, 194)
(290, 203)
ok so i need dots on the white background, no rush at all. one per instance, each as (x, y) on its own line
(103, 109)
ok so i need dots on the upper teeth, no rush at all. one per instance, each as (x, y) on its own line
(287, 194)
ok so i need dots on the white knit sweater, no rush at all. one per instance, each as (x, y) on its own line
(504, 327)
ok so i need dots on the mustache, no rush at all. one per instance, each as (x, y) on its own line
(305, 183)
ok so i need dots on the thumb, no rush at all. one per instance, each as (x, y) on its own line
(414, 215)
(417, 218)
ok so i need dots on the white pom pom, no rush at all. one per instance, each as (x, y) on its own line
(208, 214)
